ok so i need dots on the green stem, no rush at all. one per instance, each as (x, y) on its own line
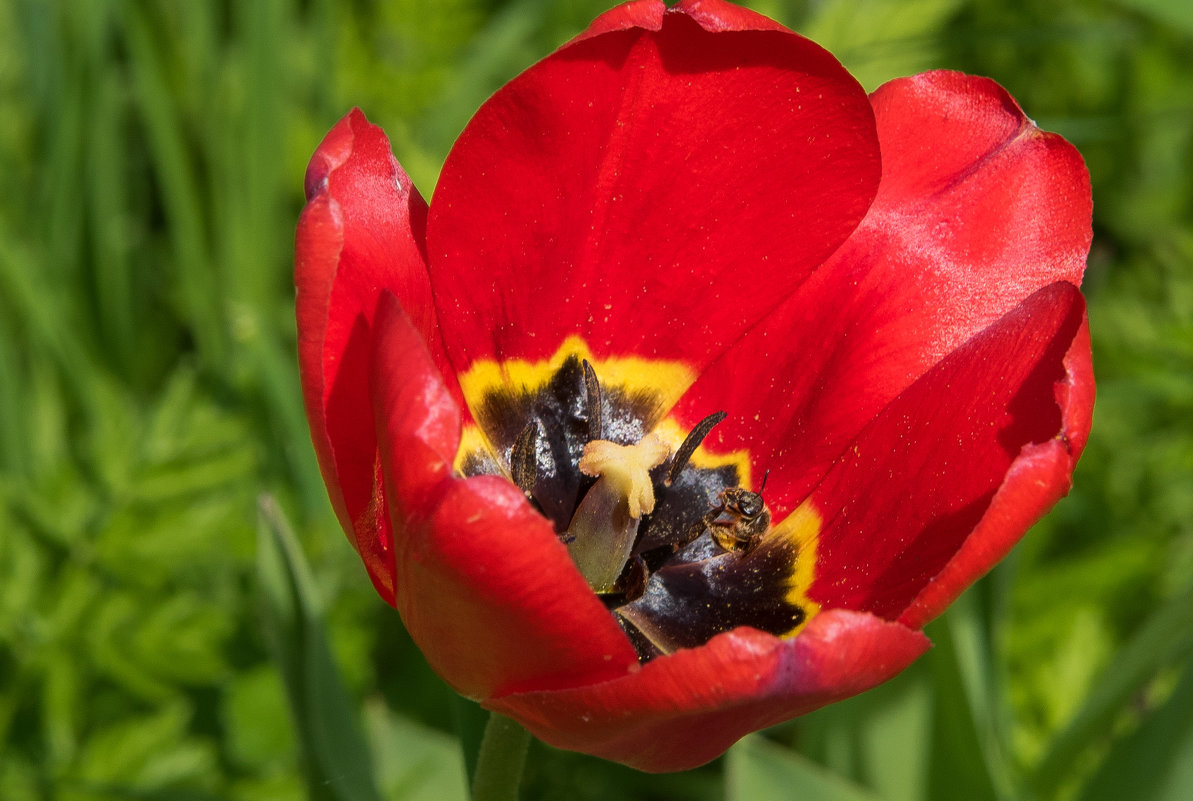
(499, 764)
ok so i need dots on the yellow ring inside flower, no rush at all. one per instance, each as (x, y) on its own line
(802, 528)
(666, 381)
(640, 392)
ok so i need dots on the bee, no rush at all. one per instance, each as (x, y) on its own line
(739, 519)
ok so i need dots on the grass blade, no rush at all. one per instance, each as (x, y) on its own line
(757, 768)
(338, 766)
(1165, 637)
(1156, 760)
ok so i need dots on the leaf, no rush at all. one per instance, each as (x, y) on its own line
(1178, 13)
(1165, 637)
(971, 646)
(159, 110)
(470, 720)
(960, 767)
(758, 769)
(879, 39)
(258, 736)
(431, 767)
(896, 741)
(338, 763)
(1156, 760)
(146, 754)
(881, 738)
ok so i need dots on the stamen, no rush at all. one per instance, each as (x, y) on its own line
(690, 444)
(592, 389)
(627, 468)
(523, 466)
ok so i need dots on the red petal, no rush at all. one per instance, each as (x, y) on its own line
(713, 15)
(361, 233)
(917, 481)
(717, 15)
(1038, 478)
(416, 419)
(685, 709)
(483, 585)
(495, 603)
(977, 209)
(653, 192)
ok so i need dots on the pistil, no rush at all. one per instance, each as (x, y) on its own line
(628, 468)
(604, 528)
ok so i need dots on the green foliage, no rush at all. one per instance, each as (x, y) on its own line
(756, 768)
(338, 764)
(160, 641)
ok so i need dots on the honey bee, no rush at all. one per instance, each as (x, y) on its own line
(739, 519)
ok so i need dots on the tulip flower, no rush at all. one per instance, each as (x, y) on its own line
(705, 380)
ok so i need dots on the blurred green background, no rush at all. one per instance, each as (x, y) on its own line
(160, 634)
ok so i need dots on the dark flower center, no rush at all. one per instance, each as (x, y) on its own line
(673, 545)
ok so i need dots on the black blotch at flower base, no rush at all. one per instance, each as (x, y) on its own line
(679, 585)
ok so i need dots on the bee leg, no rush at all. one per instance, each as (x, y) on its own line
(708, 521)
(751, 543)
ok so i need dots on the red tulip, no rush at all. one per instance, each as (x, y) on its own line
(685, 212)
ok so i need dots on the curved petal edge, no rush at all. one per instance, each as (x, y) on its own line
(1038, 478)
(686, 709)
(362, 233)
(483, 585)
